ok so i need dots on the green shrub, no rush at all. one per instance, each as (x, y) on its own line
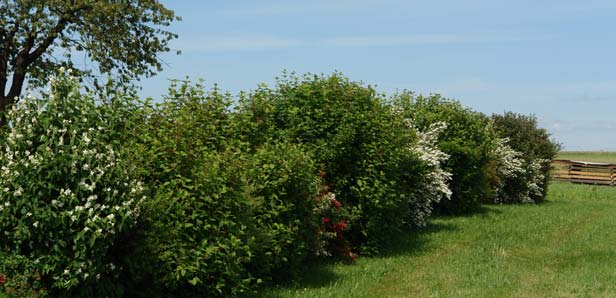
(67, 195)
(20, 277)
(282, 178)
(536, 151)
(468, 141)
(358, 141)
(198, 232)
(225, 215)
(187, 124)
(195, 230)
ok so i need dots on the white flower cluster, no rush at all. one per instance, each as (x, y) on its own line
(436, 184)
(524, 178)
(509, 163)
(58, 178)
(537, 176)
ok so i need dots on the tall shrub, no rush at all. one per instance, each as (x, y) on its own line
(225, 215)
(435, 184)
(282, 179)
(358, 141)
(67, 194)
(536, 150)
(467, 140)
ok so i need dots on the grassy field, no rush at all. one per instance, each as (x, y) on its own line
(598, 156)
(565, 247)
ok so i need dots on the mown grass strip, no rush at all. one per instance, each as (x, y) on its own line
(593, 156)
(565, 247)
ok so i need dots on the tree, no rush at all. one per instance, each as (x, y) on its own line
(122, 38)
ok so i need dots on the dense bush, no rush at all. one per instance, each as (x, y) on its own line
(534, 150)
(360, 143)
(198, 231)
(225, 215)
(468, 141)
(67, 196)
(282, 178)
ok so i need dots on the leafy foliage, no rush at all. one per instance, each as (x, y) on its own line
(468, 141)
(248, 208)
(536, 150)
(359, 142)
(318, 166)
(283, 182)
(119, 38)
(66, 192)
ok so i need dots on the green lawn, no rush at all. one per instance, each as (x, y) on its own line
(565, 247)
(596, 156)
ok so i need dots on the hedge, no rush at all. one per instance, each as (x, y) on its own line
(202, 194)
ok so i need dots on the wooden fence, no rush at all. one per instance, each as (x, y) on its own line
(584, 172)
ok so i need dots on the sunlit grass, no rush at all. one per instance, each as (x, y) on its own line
(594, 156)
(565, 247)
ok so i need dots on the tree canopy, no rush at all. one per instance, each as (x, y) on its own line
(122, 38)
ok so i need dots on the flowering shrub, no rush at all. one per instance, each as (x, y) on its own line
(511, 181)
(332, 226)
(66, 193)
(356, 138)
(536, 150)
(469, 142)
(435, 186)
(519, 181)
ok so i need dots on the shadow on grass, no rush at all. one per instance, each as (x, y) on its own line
(320, 273)
(484, 211)
(408, 243)
(316, 274)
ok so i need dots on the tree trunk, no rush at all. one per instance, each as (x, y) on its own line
(3, 110)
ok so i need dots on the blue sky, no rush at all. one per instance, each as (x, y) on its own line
(554, 59)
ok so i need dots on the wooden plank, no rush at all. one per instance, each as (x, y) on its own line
(579, 173)
(584, 172)
(590, 170)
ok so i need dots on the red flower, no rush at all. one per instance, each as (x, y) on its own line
(2, 279)
(341, 225)
(336, 203)
(325, 220)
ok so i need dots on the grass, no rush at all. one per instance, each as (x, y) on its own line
(596, 156)
(565, 247)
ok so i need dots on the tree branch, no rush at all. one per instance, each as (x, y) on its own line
(4, 57)
(53, 34)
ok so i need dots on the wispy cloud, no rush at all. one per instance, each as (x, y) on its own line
(418, 8)
(268, 42)
(296, 8)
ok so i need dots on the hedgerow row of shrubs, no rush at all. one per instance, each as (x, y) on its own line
(203, 194)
